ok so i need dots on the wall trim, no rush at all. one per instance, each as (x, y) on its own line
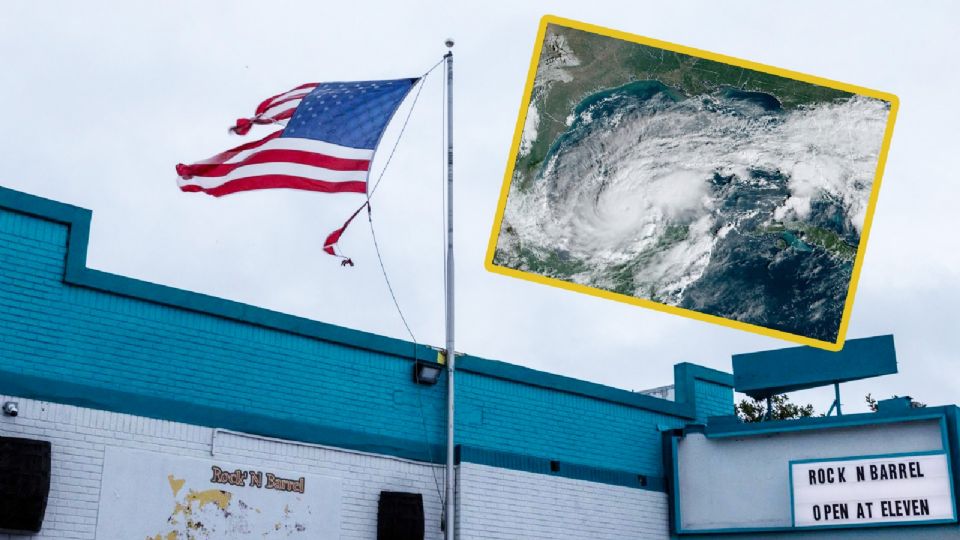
(290, 429)
(730, 426)
(561, 469)
(682, 408)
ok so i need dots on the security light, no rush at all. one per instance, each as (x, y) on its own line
(426, 372)
(10, 408)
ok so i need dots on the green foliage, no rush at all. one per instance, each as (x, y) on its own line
(755, 410)
(872, 403)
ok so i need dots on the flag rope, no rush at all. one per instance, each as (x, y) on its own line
(383, 268)
(386, 279)
(423, 80)
(333, 238)
(373, 233)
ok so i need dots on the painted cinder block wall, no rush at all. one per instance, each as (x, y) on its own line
(493, 502)
(79, 437)
(503, 504)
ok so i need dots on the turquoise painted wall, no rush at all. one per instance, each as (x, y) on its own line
(75, 335)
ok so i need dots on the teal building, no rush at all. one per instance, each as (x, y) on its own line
(125, 398)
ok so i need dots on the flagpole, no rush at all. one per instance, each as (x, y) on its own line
(451, 356)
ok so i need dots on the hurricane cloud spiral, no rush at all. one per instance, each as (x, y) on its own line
(713, 202)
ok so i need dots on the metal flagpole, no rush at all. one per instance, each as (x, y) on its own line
(451, 354)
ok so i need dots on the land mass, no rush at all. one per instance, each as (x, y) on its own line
(575, 64)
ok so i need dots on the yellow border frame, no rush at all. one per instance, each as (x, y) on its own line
(871, 206)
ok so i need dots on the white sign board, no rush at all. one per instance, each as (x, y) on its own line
(902, 488)
(159, 496)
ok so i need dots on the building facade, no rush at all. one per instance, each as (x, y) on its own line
(170, 414)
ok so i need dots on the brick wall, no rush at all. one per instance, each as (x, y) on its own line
(508, 416)
(712, 399)
(80, 435)
(502, 504)
(57, 331)
(493, 503)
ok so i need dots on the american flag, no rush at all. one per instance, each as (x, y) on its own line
(331, 133)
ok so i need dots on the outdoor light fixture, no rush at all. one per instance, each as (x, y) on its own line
(10, 408)
(426, 372)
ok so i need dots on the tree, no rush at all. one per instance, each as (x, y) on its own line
(754, 410)
(872, 403)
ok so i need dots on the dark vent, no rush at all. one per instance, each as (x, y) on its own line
(24, 483)
(400, 516)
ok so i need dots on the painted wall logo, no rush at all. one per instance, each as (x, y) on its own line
(851, 491)
(692, 183)
(256, 479)
(189, 499)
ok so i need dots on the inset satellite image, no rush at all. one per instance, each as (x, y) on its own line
(692, 183)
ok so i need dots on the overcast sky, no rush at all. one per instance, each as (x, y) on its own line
(102, 99)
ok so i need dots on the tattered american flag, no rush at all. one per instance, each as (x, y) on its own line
(331, 133)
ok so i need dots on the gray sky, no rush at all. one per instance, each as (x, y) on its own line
(102, 99)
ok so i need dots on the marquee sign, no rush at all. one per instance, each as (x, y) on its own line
(872, 490)
(161, 496)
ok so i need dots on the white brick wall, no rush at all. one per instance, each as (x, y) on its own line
(493, 503)
(504, 504)
(79, 436)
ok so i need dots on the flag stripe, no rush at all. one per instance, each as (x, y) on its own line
(249, 147)
(332, 163)
(303, 145)
(274, 181)
(284, 169)
(284, 104)
(278, 162)
(275, 142)
(267, 103)
(274, 118)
